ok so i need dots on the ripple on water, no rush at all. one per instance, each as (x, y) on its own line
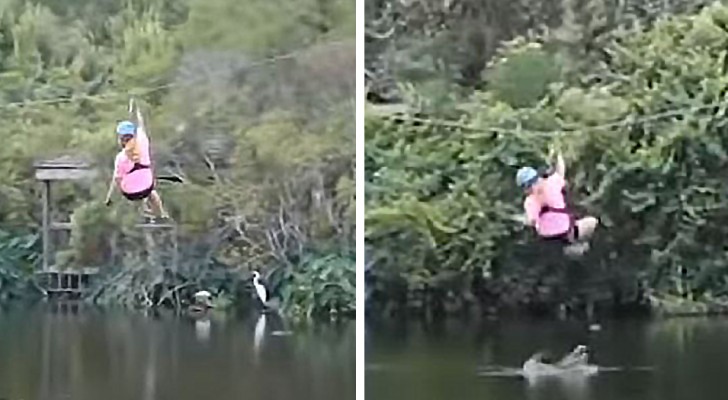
(589, 370)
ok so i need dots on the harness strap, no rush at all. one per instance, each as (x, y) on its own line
(545, 209)
(561, 210)
(565, 210)
(137, 167)
(570, 232)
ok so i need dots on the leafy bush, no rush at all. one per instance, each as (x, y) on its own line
(320, 287)
(19, 256)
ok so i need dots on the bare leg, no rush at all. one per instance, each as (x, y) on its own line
(156, 204)
(147, 208)
(586, 227)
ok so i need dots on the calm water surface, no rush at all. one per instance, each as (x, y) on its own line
(671, 359)
(89, 354)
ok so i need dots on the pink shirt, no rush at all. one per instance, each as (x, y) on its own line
(140, 179)
(549, 223)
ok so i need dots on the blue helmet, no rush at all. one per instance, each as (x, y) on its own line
(526, 177)
(126, 128)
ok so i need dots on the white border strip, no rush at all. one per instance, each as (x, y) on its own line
(360, 101)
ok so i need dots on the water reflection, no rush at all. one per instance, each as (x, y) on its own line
(637, 359)
(259, 333)
(202, 329)
(79, 353)
(568, 387)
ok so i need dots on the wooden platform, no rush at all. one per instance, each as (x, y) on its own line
(63, 168)
(72, 282)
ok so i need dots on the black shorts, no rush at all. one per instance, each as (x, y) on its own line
(567, 237)
(139, 195)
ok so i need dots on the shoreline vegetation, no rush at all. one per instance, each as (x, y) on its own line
(633, 94)
(254, 107)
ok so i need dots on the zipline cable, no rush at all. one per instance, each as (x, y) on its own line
(570, 129)
(141, 91)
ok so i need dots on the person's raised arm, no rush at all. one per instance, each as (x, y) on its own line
(142, 135)
(560, 167)
(140, 120)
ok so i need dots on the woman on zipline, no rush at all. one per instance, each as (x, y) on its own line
(547, 211)
(133, 166)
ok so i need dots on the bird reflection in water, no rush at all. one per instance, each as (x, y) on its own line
(259, 336)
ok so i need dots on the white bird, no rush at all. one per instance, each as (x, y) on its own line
(202, 295)
(259, 288)
(202, 300)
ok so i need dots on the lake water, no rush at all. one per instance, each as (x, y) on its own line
(678, 359)
(87, 354)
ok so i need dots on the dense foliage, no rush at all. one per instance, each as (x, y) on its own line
(642, 127)
(251, 102)
(440, 48)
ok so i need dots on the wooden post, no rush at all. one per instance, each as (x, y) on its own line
(46, 224)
